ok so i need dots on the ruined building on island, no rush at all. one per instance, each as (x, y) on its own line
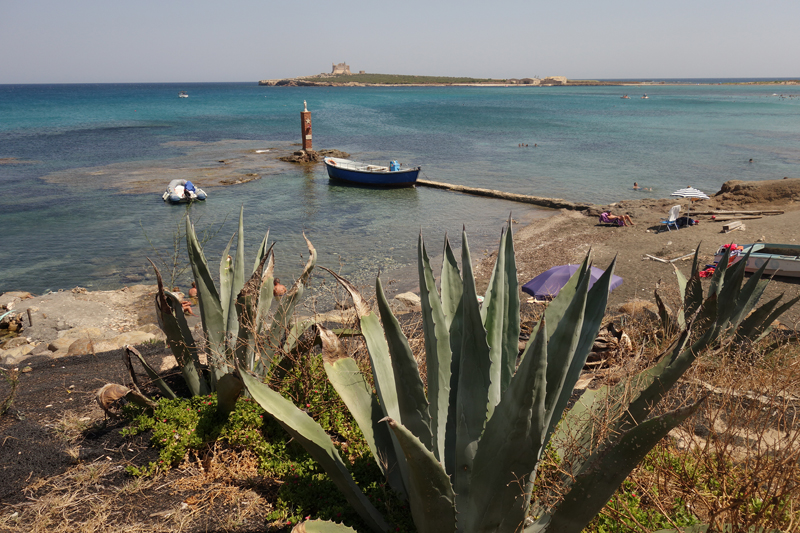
(342, 69)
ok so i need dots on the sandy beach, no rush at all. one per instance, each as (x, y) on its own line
(567, 236)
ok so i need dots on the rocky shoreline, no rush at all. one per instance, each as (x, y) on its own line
(79, 322)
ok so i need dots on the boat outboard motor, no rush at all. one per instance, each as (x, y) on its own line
(394, 166)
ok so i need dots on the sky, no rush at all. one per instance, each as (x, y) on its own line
(101, 41)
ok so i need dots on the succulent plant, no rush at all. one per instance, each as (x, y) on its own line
(466, 451)
(235, 319)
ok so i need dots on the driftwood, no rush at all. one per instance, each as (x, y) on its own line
(553, 203)
(726, 218)
(762, 212)
(654, 258)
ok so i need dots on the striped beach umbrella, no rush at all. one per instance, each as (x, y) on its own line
(690, 192)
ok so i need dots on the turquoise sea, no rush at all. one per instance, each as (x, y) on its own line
(62, 223)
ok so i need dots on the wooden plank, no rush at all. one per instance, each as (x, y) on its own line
(727, 218)
(762, 212)
(731, 226)
(690, 254)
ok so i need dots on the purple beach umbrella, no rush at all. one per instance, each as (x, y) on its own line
(549, 283)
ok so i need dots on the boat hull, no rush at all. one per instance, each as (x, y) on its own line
(781, 259)
(173, 196)
(338, 170)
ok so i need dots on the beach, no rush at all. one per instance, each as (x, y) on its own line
(567, 237)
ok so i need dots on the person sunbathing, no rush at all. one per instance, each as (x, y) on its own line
(620, 220)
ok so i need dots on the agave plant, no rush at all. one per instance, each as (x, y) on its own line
(466, 451)
(235, 319)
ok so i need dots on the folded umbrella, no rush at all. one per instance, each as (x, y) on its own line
(549, 283)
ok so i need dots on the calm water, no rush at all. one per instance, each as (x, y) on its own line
(66, 230)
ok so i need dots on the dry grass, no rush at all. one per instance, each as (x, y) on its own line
(221, 491)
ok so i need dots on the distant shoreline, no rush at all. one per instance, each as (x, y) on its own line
(394, 80)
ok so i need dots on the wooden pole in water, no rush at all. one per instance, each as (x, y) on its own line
(305, 127)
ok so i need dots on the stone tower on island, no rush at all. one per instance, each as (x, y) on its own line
(341, 69)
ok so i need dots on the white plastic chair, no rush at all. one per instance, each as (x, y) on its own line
(672, 218)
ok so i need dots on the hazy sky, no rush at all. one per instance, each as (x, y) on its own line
(68, 41)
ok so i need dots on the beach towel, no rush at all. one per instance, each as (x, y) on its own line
(605, 220)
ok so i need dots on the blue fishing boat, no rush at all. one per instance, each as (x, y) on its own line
(372, 175)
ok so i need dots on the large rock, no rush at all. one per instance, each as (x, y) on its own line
(62, 343)
(154, 330)
(8, 299)
(81, 347)
(13, 342)
(133, 337)
(83, 333)
(18, 352)
(410, 300)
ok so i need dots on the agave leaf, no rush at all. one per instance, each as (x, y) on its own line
(596, 302)
(556, 309)
(696, 262)
(649, 397)
(500, 315)
(229, 387)
(236, 283)
(379, 358)
(512, 323)
(313, 438)
(356, 393)
(510, 448)
(765, 328)
(321, 526)
(456, 338)
(430, 494)
(411, 399)
(226, 278)
(437, 350)
(682, 283)
(295, 332)
(210, 307)
(592, 490)
(453, 306)
(718, 278)
(451, 283)
(666, 320)
(751, 325)
(247, 307)
(563, 343)
(727, 298)
(266, 292)
(181, 342)
(262, 251)
(749, 296)
(473, 383)
(152, 374)
(576, 436)
(283, 315)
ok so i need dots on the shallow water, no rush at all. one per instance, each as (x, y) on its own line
(61, 227)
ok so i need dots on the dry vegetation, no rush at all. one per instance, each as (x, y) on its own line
(734, 463)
